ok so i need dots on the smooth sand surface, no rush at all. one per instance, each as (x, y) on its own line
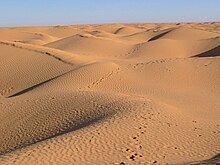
(110, 94)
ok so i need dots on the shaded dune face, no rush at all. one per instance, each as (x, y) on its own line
(110, 94)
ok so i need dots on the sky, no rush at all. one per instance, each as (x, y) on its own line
(70, 12)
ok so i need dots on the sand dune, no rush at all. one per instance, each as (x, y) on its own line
(184, 33)
(87, 44)
(127, 30)
(23, 36)
(110, 94)
(174, 48)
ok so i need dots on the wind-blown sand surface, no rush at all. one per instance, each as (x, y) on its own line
(110, 94)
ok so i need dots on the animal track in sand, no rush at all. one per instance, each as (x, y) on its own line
(105, 77)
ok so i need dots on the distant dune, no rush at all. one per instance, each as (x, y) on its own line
(110, 94)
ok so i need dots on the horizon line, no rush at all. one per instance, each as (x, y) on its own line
(109, 23)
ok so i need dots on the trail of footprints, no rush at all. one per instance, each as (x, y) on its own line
(6, 91)
(106, 76)
(134, 153)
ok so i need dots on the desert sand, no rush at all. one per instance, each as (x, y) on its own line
(110, 94)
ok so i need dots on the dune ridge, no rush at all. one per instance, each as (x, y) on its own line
(110, 94)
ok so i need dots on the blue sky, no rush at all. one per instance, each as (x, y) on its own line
(64, 12)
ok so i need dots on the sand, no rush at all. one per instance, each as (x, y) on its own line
(110, 94)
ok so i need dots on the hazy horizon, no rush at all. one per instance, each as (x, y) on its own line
(51, 13)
